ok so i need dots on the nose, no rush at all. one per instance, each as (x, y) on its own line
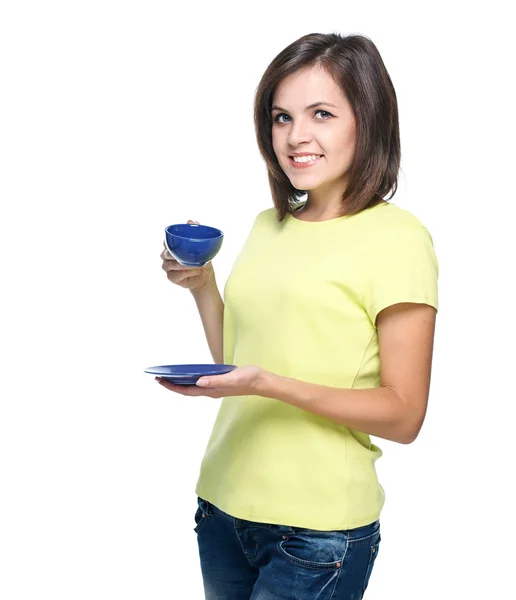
(299, 133)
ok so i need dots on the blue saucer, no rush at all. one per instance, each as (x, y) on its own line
(188, 374)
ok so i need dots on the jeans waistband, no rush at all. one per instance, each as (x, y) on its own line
(211, 509)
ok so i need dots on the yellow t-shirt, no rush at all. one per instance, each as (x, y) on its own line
(301, 301)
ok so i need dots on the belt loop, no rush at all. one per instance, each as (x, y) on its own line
(206, 506)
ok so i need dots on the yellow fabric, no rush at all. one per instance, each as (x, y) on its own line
(301, 301)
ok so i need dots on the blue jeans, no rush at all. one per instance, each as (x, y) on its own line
(244, 560)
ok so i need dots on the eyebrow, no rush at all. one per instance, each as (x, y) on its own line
(308, 107)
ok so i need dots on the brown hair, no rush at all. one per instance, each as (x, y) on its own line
(357, 67)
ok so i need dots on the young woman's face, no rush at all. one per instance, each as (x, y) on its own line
(326, 130)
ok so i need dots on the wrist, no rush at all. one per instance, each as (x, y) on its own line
(206, 289)
(264, 384)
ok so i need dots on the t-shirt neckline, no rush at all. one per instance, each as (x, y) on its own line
(334, 220)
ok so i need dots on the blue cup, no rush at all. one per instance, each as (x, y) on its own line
(193, 245)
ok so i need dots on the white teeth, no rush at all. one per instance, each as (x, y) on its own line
(302, 159)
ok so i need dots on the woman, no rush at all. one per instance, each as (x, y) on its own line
(329, 314)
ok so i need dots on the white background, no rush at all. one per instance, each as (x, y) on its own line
(119, 118)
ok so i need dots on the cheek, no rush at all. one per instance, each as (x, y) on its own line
(346, 144)
(349, 135)
(276, 141)
(278, 145)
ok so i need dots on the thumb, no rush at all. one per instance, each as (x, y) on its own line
(194, 222)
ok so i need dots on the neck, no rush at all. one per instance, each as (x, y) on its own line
(321, 211)
(324, 203)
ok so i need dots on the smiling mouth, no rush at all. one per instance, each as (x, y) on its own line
(304, 162)
(305, 159)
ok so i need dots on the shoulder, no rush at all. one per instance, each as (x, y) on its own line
(392, 215)
(393, 238)
(265, 218)
(391, 221)
(267, 215)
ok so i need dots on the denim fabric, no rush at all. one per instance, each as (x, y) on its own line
(244, 560)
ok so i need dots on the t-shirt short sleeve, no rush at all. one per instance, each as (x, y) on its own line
(404, 268)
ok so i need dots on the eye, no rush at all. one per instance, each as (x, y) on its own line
(277, 117)
(325, 115)
(325, 112)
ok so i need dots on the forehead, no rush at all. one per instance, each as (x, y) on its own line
(307, 86)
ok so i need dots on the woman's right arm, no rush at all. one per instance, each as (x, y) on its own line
(203, 287)
(211, 310)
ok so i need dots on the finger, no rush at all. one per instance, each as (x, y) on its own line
(165, 255)
(173, 265)
(170, 263)
(215, 381)
(182, 278)
(178, 278)
(185, 390)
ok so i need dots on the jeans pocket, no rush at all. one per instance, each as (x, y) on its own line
(201, 515)
(373, 553)
(322, 550)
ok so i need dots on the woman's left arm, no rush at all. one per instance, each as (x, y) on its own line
(393, 411)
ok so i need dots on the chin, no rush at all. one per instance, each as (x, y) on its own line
(303, 184)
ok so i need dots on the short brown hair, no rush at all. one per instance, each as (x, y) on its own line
(357, 67)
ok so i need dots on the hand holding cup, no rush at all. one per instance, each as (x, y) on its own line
(192, 244)
(192, 278)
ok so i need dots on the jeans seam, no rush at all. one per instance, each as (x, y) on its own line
(241, 545)
(366, 537)
(340, 569)
(371, 563)
(202, 521)
(306, 564)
